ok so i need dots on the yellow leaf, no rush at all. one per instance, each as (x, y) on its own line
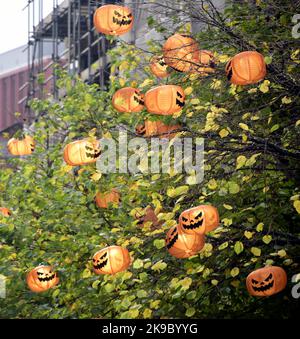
(267, 239)
(146, 82)
(244, 126)
(286, 100)
(264, 87)
(228, 207)
(96, 176)
(240, 161)
(195, 101)
(260, 227)
(223, 133)
(297, 205)
(212, 184)
(248, 234)
(256, 251)
(188, 90)
(234, 272)
(227, 221)
(122, 82)
(297, 123)
(214, 282)
(281, 253)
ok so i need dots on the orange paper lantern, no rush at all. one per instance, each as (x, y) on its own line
(82, 152)
(111, 260)
(41, 278)
(128, 100)
(165, 100)
(266, 281)
(181, 52)
(21, 147)
(183, 245)
(104, 199)
(157, 128)
(113, 19)
(201, 219)
(159, 67)
(5, 211)
(246, 68)
(206, 63)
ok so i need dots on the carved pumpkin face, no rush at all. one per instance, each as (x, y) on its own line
(113, 19)
(41, 278)
(148, 216)
(266, 281)
(5, 211)
(128, 99)
(165, 100)
(246, 68)
(181, 52)
(201, 219)
(111, 260)
(206, 63)
(183, 245)
(159, 67)
(21, 147)
(155, 128)
(82, 152)
(104, 199)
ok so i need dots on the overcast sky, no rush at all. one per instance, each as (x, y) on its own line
(13, 22)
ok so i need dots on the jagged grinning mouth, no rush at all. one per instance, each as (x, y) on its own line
(122, 22)
(94, 155)
(101, 265)
(51, 277)
(173, 241)
(193, 226)
(263, 288)
(138, 100)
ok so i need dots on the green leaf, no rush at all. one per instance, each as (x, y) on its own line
(190, 312)
(238, 247)
(138, 263)
(240, 161)
(274, 128)
(233, 187)
(174, 192)
(160, 265)
(142, 294)
(159, 243)
(267, 239)
(223, 246)
(256, 251)
(234, 272)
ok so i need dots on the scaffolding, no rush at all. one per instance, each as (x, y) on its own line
(68, 32)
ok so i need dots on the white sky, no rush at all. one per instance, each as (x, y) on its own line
(13, 22)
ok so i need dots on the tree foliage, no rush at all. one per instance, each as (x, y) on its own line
(251, 175)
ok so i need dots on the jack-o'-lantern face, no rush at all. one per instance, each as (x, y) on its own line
(21, 147)
(266, 281)
(183, 245)
(165, 100)
(41, 278)
(181, 52)
(113, 19)
(128, 100)
(192, 220)
(111, 260)
(246, 68)
(157, 128)
(159, 67)
(5, 211)
(82, 152)
(201, 219)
